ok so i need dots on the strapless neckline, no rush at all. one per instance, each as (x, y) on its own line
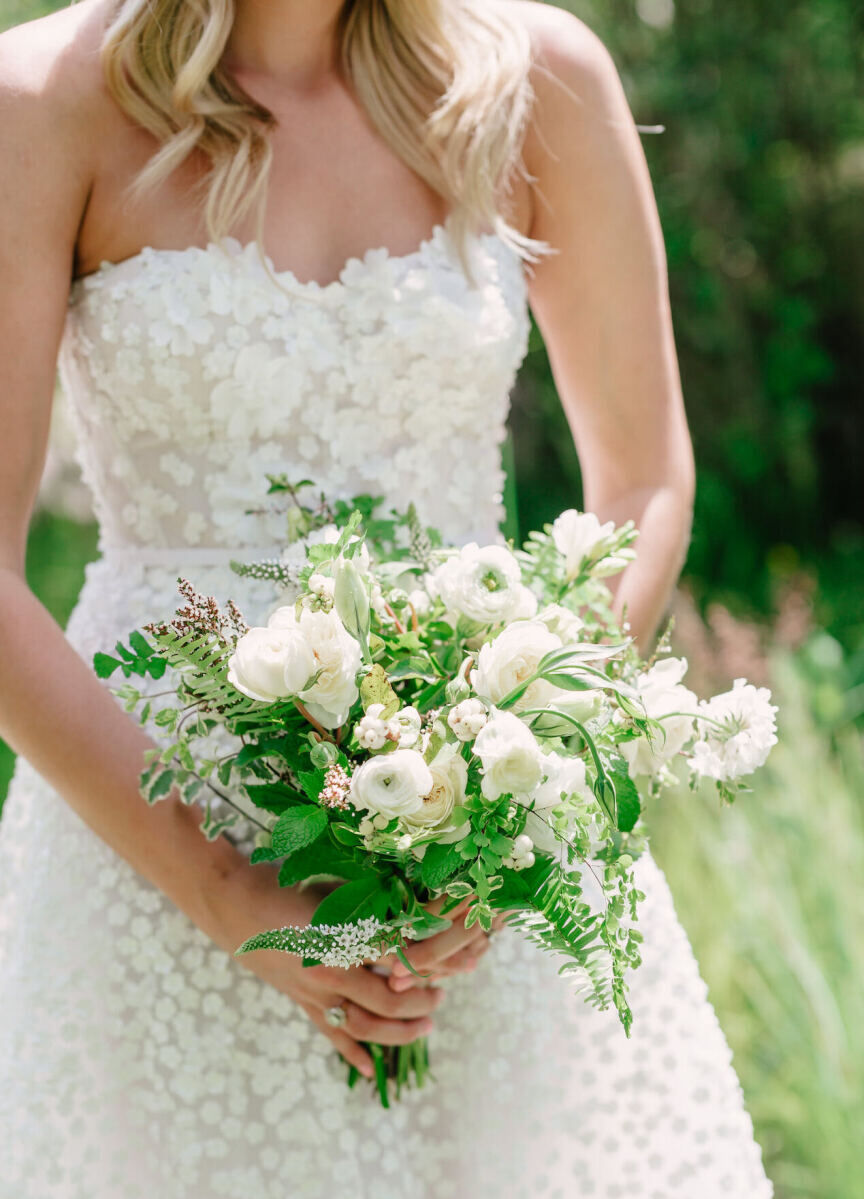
(354, 270)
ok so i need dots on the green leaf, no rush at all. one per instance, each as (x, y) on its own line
(350, 902)
(298, 827)
(105, 665)
(323, 856)
(375, 689)
(262, 854)
(627, 796)
(439, 863)
(274, 797)
(141, 645)
(604, 790)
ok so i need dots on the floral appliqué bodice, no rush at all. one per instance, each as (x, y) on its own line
(193, 373)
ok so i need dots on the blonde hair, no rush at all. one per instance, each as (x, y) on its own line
(445, 83)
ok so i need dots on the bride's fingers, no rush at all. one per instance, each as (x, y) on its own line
(354, 1054)
(431, 956)
(366, 1026)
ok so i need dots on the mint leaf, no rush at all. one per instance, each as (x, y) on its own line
(296, 828)
(439, 862)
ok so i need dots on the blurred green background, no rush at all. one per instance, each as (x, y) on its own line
(759, 178)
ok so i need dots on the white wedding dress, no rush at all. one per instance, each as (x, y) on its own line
(137, 1061)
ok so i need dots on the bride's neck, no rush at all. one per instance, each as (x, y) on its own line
(294, 40)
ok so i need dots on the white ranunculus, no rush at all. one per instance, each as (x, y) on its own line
(392, 785)
(578, 534)
(561, 621)
(512, 657)
(449, 777)
(271, 663)
(336, 660)
(662, 693)
(742, 743)
(482, 583)
(510, 756)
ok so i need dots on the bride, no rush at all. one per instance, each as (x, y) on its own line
(485, 150)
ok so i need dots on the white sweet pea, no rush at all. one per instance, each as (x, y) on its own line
(577, 535)
(510, 756)
(406, 726)
(392, 785)
(271, 663)
(419, 601)
(336, 660)
(563, 776)
(449, 777)
(741, 739)
(371, 730)
(467, 718)
(662, 693)
(511, 658)
(484, 584)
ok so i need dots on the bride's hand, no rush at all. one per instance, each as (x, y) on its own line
(374, 1011)
(455, 950)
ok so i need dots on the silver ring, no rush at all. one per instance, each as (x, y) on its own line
(336, 1016)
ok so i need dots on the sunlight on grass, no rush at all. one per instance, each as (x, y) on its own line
(770, 893)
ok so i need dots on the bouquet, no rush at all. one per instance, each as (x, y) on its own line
(419, 722)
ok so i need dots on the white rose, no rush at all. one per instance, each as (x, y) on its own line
(510, 756)
(392, 785)
(561, 621)
(484, 584)
(336, 660)
(449, 777)
(271, 663)
(662, 693)
(511, 658)
(577, 535)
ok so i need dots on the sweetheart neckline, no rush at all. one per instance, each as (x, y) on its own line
(247, 252)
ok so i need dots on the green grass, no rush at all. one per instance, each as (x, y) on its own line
(770, 893)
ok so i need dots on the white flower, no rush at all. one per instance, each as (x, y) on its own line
(392, 785)
(449, 777)
(510, 756)
(322, 586)
(270, 664)
(419, 601)
(511, 658)
(577, 535)
(748, 731)
(563, 776)
(662, 693)
(371, 729)
(336, 660)
(521, 856)
(406, 727)
(484, 584)
(467, 718)
(561, 621)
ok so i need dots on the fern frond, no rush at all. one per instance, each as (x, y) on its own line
(203, 660)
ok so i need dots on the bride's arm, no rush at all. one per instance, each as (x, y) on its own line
(602, 305)
(52, 708)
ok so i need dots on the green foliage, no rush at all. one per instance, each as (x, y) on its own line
(297, 828)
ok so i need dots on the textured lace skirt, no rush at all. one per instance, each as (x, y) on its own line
(139, 1061)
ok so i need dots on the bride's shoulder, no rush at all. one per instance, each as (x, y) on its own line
(50, 73)
(564, 49)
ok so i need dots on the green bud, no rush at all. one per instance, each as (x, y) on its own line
(352, 602)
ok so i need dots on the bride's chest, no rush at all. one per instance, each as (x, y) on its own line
(216, 346)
